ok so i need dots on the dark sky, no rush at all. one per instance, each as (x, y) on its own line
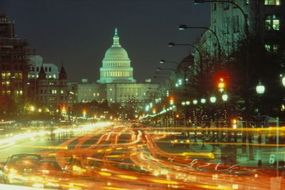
(78, 32)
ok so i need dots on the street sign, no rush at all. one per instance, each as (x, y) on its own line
(272, 158)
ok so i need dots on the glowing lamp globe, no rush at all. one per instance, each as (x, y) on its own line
(260, 88)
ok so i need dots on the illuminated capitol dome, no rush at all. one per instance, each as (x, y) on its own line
(116, 65)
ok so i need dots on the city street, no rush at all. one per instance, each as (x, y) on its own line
(127, 156)
(142, 95)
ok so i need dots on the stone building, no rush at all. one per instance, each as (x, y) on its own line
(262, 19)
(13, 65)
(49, 93)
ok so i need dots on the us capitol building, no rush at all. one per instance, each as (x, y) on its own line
(116, 83)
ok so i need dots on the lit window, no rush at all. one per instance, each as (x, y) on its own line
(272, 23)
(272, 48)
(272, 2)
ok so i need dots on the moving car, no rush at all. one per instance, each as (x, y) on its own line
(19, 167)
(35, 170)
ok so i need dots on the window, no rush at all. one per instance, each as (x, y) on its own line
(236, 26)
(272, 2)
(214, 6)
(226, 6)
(272, 23)
(226, 23)
(272, 48)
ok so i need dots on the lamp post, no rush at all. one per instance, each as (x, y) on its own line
(163, 61)
(184, 27)
(172, 44)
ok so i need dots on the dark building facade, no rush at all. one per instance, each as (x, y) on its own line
(51, 94)
(13, 64)
(261, 19)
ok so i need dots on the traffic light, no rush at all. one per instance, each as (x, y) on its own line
(171, 101)
(221, 84)
(221, 79)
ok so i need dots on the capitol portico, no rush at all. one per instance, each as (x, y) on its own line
(116, 83)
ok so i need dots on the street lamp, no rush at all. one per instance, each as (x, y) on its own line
(162, 61)
(225, 97)
(184, 27)
(283, 81)
(260, 88)
(195, 102)
(203, 101)
(172, 44)
(213, 99)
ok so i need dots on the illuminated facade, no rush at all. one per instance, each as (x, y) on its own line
(50, 93)
(116, 83)
(265, 20)
(36, 62)
(116, 65)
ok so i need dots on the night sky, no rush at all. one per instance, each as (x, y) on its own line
(77, 33)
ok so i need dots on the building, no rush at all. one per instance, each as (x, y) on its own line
(116, 65)
(251, 35)
(50, 93)
(13, 64)
(36, 62)
(262, 19)
(88, 91)
(116, 83)
(47, 85)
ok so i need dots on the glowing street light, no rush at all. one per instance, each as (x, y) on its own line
(195, 102)
(260, 88)
(147, 108)
(283, 81)
(84, 113)
(225, 97)
(171, 101)
(203, 101)
(213, 99)
(32, 108)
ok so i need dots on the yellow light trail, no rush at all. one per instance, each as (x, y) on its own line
(129, 177)
(198, 154)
